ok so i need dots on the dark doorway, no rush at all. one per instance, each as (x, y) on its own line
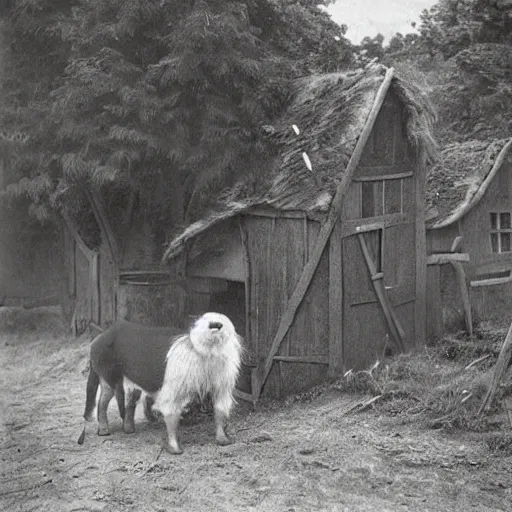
(231, 303)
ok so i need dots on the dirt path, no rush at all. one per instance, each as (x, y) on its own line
(299, 457)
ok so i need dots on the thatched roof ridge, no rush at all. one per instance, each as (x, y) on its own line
(330, 111)
(460, 177)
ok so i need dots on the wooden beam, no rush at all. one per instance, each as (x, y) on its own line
(336, 302)
(457, 242)
(380, 177)
(441, 258)
(244, 396)
(374, 172)
(303, 359)
(94, 286)
(491, 281)
(420, 253)
(88, 253)
(247, 272)
(464, 293)
(499, 370)
(325, 231)
(351, 227)
(377, 278)
(104, 224)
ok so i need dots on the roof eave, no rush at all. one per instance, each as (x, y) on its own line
(474, 197)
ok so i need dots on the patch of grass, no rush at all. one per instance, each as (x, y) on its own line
(35, 345)
(434, 387)
(20, 326)
(500, 444)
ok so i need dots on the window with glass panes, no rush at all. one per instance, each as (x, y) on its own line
(501, 232)
(382, 197)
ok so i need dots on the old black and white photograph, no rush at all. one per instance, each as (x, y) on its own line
(255, 255)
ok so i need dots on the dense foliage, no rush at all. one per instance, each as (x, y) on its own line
(463, 55)
(155, 103)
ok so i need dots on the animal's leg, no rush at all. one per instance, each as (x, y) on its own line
(107, 393)
(129, 421)
(120, 399)
(148, 404)
(171, 422)
(222, 407)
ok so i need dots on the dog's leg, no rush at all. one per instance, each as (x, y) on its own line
(129, 416)
(120, 399)
(148, 412)
(107, 393)
(222, 407)
(171, 422)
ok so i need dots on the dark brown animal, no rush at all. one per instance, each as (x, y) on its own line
(132, 351)
(172, 368)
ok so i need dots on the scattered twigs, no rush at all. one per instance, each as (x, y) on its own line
(251, 427)
(27, 488)
(367, 403)
(476, 361)
(153, 464)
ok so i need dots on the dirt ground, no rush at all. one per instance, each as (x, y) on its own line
(297, 456)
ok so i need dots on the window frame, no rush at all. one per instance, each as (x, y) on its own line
(498, 231)
(378, 187)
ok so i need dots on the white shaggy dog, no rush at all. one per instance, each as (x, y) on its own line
(171, 368)
(206, 360)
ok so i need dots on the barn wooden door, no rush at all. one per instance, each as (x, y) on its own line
(370, 320)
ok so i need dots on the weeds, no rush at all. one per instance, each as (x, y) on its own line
(440, 387)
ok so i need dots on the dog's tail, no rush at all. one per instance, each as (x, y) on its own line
(93, 381)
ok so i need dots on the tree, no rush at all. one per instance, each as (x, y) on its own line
(461, 55)
(156, 104)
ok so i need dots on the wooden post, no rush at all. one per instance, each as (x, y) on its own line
(420, 304)
(335, 303)
(499, 370)
(94, 286)
(325, 231)
(104, 224)
(106, 229)
(377, 278)
(463, 287)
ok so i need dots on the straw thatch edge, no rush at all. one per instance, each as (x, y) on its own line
(475, 192)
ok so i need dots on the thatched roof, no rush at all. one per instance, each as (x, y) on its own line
(330, 111)
(460, 177)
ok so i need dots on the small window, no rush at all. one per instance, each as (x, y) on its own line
(382, 197)
(501, 232)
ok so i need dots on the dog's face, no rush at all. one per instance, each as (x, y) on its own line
(212, 330)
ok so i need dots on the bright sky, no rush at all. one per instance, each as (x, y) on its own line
(369, 17)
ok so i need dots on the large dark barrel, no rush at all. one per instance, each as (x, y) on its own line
(151, 297)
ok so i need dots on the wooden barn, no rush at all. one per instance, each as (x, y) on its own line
(469, 230)
(323, 270)
(113, 270)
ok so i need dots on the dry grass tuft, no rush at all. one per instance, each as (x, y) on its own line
(435, 388)
(500, 444)
(37, 346)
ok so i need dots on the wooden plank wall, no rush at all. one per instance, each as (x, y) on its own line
(107, 288)
(279, 248)
(434, 310)
(364, 328)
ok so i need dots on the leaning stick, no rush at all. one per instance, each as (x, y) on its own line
(500, 368)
